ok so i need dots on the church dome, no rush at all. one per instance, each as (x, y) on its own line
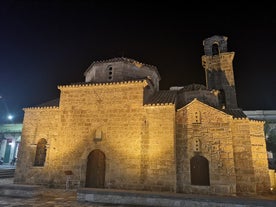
(121, 69)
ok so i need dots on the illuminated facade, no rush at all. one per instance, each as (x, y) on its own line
(118, 130)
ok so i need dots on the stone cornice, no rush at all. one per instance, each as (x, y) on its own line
(41, 108)
(159, 104)
(86, 85)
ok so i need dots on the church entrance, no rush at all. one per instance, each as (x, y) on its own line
(199, 166)
(95, 171)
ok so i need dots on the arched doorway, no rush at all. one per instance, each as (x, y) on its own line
(199, 170)
(95, 171)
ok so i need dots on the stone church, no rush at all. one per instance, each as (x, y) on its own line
(117, 130)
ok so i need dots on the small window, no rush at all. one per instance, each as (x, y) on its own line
(110, 72)
(196, 117)
(197, 145)
(40, 155)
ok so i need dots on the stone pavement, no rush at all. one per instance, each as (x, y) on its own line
(49, 197)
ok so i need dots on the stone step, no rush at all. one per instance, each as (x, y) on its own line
(166, 199)
(18, 190)
(7, 173)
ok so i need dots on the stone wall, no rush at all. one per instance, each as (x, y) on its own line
(243, 157)
(250, 156)
(259, 156)
(38, 123)
(146, 147)
(138, 141)
(158, 148)
(199, 122)
(220, 75)
(272, 177)
(121, 69)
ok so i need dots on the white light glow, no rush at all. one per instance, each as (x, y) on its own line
(10, 117)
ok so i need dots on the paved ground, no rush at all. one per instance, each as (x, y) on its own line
(49, 198)
(61, 198)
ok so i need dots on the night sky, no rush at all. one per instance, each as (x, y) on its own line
(44, 44)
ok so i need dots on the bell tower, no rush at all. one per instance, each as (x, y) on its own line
(218, 65)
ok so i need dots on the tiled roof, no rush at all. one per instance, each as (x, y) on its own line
(54, 102)
(163, 97)
(236, 113)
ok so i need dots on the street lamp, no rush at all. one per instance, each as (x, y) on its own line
(10, 117)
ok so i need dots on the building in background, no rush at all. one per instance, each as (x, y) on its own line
(10, 137)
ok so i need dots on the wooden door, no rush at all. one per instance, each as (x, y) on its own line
(199, 170)
(95, 171)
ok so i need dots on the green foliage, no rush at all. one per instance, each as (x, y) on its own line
(271, 146)
(271, 139)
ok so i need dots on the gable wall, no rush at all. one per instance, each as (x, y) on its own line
(214, 133)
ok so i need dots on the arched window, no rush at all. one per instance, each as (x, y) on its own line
(40, 154)
(199, 170)
(215, 49)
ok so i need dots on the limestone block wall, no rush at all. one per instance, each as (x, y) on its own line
(220, 75)
(116, 111)
(200, 123)
(38, 123)
(158, 149)
(272, 177)
(250, 155)
(243, 157)
(223, 62)
(129, 137)
(137, 140)
(259, 156)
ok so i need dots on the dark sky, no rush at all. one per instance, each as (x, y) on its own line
(44, 44)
